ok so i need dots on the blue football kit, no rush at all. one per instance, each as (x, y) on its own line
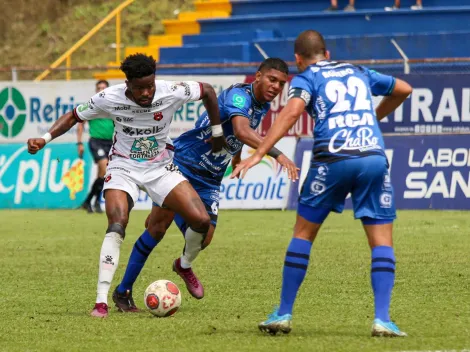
(193, 153)
(348, 152)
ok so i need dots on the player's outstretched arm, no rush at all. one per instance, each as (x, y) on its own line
(286, 119)
(247, 135)
(62, 125)
(389, 103)
(209, 99)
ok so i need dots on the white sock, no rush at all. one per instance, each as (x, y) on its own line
(193, 247)
(109, 260)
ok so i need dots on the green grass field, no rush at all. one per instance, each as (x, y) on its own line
(49, 262)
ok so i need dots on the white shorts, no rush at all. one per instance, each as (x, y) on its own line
(130, 176)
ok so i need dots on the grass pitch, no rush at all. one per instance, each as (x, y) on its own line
(49, 262)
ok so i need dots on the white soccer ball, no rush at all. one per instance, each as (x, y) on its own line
(162, 298)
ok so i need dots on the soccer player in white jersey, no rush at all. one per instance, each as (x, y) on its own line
(141, 156)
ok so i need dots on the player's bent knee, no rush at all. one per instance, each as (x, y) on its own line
(201, 224)
(118, 228)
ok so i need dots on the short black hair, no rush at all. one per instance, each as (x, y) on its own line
(275, 64)
(309, 44)
(103, 81)
(138, 66)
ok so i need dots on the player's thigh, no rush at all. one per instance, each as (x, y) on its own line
(185, 201)
(159, 221)
(168, 187)
(326, 187)
(121, 190)
(372, 193)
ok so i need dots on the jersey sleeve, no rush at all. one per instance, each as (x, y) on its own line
(187, 91)
(95, 108)
(301, 88)
(237, 103)
(380, 84)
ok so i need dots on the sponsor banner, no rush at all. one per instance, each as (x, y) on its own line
(438, 104)
(427, 172)
(53, 178)
(29, 109)
(430, 172)
(265, 186)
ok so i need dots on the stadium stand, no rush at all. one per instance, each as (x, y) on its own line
(225, 32)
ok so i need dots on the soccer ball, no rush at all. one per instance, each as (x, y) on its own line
(162, 298)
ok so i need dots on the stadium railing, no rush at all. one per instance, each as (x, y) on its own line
(392, 66)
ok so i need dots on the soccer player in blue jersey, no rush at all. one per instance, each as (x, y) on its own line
(348, 157)
(242, 107)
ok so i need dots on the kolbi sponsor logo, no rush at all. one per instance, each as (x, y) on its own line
(135, 132)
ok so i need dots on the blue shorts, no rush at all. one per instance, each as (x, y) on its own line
(367, 179)
(209, 196)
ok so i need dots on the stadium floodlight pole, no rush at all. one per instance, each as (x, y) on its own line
(403, 55)
(261, 51)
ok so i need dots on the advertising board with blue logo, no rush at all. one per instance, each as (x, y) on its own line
(265, 186)
(427, 172)
(53, 178)
(439, 103)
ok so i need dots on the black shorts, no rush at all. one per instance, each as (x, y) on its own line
(100, 148)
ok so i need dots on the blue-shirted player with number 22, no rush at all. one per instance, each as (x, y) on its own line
(348, 157)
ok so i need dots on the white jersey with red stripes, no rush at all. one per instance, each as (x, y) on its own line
(140, 133)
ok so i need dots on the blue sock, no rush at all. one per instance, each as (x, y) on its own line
(383, 277)
(142, 249)
(295, 267)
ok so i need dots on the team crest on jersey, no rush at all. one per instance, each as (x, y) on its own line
(144, 148)
(158, 116)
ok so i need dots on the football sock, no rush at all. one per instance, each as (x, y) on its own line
(98, 189)
(94, 189)
(142, 249)
(382, 277)
(192, 248)
(295, 267)
(109, 260)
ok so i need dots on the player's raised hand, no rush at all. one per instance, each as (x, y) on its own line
(35, 145)
(242, 168)
(289, 166)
